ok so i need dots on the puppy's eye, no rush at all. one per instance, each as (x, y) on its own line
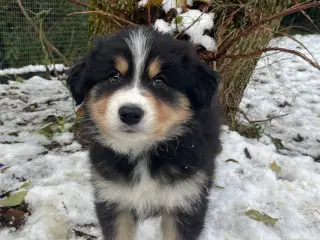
(159, 82)
(115, 78)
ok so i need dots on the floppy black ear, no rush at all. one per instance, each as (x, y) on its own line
(206, 84)
(75, 81)
(78, 85)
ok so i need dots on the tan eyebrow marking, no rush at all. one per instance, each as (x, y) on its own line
(154, 67)
(121, 64)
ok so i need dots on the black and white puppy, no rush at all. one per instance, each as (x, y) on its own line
(147, 110)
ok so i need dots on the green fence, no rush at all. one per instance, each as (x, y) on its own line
(21, 45)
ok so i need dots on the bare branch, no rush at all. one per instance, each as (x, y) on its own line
(99, 11)
(309, 19)
(245, 116)
(224, 26)
(268, 119)
(50, 47)
(253, 27)
(300, 43)
(259, 52)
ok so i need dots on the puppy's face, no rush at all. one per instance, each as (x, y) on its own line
(141, 87)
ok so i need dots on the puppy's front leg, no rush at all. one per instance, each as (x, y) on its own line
(184, 225)
(115, 225)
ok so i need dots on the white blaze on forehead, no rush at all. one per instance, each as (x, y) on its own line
(127, 97)
(139, 44)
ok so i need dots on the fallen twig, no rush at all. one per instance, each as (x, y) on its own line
(268, 119)
(261, 120)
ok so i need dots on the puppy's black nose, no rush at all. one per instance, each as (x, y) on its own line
(130, 114)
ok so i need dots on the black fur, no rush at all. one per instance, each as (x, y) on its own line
(170, 162)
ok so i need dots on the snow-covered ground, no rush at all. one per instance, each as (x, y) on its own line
(59, 198)
(32, 68)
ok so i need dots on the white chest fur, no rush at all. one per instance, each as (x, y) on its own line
(149, 194)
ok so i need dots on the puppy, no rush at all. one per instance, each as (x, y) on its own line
(154, 133)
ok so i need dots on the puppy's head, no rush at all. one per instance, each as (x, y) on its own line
(140, 87)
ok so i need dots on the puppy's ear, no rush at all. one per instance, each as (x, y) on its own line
(206, 84)
(79, 86)
(76, 81)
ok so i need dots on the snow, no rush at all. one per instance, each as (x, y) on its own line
(194, 23)
(32, 68)
(142, 3)
(60, 199)
(169, 4)
(162, 26)
(166, 4)
(288, 87)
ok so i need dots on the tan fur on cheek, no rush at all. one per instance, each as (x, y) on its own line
(168, 118)
(98, 111)
(122, 65)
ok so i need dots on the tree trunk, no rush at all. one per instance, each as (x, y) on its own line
(235, 74)
(100, 25)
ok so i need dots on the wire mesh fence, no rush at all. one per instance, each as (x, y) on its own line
(21, 44)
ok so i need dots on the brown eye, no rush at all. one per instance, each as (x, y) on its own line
(159, 82)
(115, 78)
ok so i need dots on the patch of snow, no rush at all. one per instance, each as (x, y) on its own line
(162, 26)
(32, 68)
(292, 195)
(169, 4)
(142, 3)
(194, 23)
(65, 137)
(290, 86)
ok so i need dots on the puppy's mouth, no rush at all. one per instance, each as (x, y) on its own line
(130, 130)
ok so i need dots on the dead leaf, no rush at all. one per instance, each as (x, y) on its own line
(262, 217)
(11, 217)
(12, 214)
(231, 160)
(178, 20)
(274, 167)
(277, 143)
(19, 79)
(25, 185)
(246, 152)
(3, 169)
(14, 199)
